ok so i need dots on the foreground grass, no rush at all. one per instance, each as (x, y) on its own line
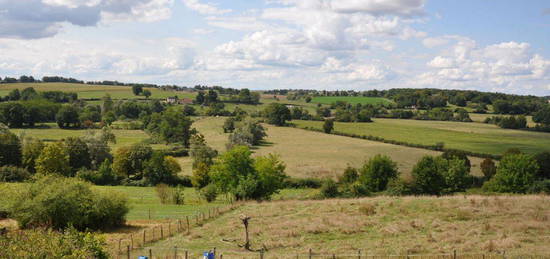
(381, 225)
(314, 154)
(476, 137)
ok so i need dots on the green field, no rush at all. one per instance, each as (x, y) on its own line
(377, 226)
(85, 91)
(351, 99)
(314, 154)
(475, 137)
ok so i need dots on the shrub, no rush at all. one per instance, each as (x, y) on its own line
(45, 243)
(209, 193)
(399, 187)
(298, 183)
(10, 148)
(488, 168)
(515, 174)
(542, 186)
(543, 160)
(163, 192)
(377, 172)
(328, 126)
(13, 174)
(59, 202)
(103, 176)
(329, 189)
(427, 177)
(54, 159)
(277, 114)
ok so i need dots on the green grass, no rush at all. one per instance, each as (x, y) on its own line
(475, 137)
(314, 154)
(86, 91)
(54, 133)
(351, 99)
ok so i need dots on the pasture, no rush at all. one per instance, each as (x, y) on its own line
(86, 91)
(314, 154)
(475, 137)
(351, 100)
(379, 226)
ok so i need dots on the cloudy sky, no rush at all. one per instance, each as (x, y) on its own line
(488, 45)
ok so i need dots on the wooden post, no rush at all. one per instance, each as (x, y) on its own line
(197, 219)
(262, 254)
(186, 254)
(149, 214)
(119, 248)
(333, 256)
(179, 225)
(187, 219)
(175, 252)
(169, 229)
(128, 250)
(359, 253)
(161, 232)
(150, 253)
(454, 254)
(132, 241)
(310, 254)
(209, 213)
(144, 241)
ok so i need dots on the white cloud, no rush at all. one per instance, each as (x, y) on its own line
(201, 31)
(441, 62)
(434, 42)
(373, 7)
(206, 9)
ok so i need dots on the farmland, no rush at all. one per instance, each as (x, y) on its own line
(86, 91)
(350, 99)
(475, 137)
(314, 154)
(381, 225)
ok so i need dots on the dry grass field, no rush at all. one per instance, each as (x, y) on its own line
(314, 154)
(381, 226)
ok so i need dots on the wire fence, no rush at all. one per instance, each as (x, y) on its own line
(180, 253)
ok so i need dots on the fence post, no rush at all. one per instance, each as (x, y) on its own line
(186, 255)
(262, 254)
(179, 225)
(310, 254)
(187, 219)
(175, 252)
(149, 214)
(132, 240)
(454, 254)
(161, 232)
(150, 253)
(119, 244)
(128, 250)
(333, 256)
(169, 229)
(144, 241)
(359, 253)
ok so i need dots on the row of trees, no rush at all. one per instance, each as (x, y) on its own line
(30, 93)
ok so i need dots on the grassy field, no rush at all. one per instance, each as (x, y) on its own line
(53, 133)
(313, 154)
(379, 226)
(92, 91)
(351, 99)
(476, 137)
(476, 117)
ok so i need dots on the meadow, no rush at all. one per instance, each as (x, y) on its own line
(475, 137)
(379, 226)
(351, 100)
(314, 154)
(86, 91)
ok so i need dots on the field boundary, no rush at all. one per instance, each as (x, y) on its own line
(400, 143)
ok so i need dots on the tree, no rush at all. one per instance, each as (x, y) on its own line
(67, 117)
(277, 114)
(199, 99)
(54, 159)
(10, 148)
(13, 114)
(377, 172)
(201, 152)
(488, 168)
(200, 178)
(271, 175)
(107, 104)
(98, 145)
(79, 154)
(158, 169)
(427, 177)
(28, 94)
(229, 125)
(147, 94)
(249, 132)
(328, 126)
(455, 175)
(137, 89)
(108, 118)
(308, 99)
(172, 126)
(14, 95)
(211, 97)
(542, 116)
(515, 174)
(131, 161)
(461, 155)
(32, 147)
(543, 160)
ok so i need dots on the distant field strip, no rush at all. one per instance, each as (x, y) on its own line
(474, 137)
(351, 100)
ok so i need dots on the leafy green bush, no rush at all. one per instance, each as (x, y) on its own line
(299, 183)
(377, 172)
(13, 174)
(515, 174)
(329, 189)
(42, 243)
(399, 187)
(542, 186)
(59, 202)
(209, 192)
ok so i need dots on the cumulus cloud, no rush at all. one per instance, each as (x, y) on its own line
(33, 19)
(205, 8)
(373, 7)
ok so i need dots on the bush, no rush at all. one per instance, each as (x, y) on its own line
(59, 202)
(13, 174)
(209, 193)
(427, 177)
(542, 186)
(103, 176)
(515, 174)
(299, 183)
(488, 168)
(329, 189)
(44, 243)
(399, 187)
(10, 148)
(170, 195)
(377, 172)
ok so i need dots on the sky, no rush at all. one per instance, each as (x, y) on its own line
(485, 45)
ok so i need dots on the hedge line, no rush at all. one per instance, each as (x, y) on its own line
(403, 143)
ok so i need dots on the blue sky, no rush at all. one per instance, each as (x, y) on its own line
(485, 45)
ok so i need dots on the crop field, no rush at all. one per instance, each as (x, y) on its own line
(314, 154)
(476, 137)
(380, 226)
(85, 91)
(351, 99)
